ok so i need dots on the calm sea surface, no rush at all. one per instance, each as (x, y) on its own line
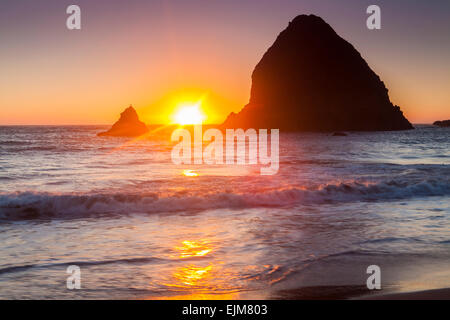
(140, 228)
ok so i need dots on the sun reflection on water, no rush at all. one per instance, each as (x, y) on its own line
(200, 272)
(193, 276)
(196, 279)
(190, 173)
(193, 249)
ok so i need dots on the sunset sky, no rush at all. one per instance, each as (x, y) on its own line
(155, 54)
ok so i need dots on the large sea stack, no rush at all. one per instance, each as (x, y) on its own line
(311, 79)
(128, 125)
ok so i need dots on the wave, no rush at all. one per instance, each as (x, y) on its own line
(26, 267)
(34, 205)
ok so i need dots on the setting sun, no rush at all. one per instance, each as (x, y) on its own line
(189, 114)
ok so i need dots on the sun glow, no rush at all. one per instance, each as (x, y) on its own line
(188, 113)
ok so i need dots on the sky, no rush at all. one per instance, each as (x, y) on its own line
(155, 54)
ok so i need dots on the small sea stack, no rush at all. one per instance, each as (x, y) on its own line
(442, 123)
(339, 134)
(128, 125)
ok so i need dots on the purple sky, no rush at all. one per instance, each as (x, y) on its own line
(143, 52)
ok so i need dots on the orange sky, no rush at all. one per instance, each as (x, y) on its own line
(156, 54)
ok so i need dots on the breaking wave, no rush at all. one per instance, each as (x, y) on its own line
(33, 205)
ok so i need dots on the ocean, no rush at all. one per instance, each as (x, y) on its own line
(140, 227)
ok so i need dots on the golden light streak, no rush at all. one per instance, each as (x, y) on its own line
(193, 249)
(190, 173)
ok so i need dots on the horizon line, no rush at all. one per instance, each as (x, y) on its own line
(155, 124)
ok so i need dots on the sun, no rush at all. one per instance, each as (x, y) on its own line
(189, 113)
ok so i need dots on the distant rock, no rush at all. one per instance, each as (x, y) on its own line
(339, 134)
(128, 125)
(311, 79)
(443, 123)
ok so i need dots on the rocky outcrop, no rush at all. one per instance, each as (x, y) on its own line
(128, 125)
(339, 134)
(443, 123)
(311, 79)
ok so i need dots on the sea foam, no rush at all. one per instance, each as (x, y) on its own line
(34, 205)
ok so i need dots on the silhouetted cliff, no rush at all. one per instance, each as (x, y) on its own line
(128, 125)
(311, 79)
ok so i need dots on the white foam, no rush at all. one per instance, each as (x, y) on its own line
(29, 205)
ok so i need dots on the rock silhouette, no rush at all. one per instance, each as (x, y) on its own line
(128, 125)
(311, 79)
(443, 123)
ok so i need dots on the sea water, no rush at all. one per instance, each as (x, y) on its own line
(138, 226)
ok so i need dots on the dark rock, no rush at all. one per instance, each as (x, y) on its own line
(128, 125)
(443, 123)
(339, 134)
(311, 79)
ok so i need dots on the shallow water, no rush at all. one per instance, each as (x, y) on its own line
(139, 228)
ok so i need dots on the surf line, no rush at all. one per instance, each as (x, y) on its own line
(214, 151)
